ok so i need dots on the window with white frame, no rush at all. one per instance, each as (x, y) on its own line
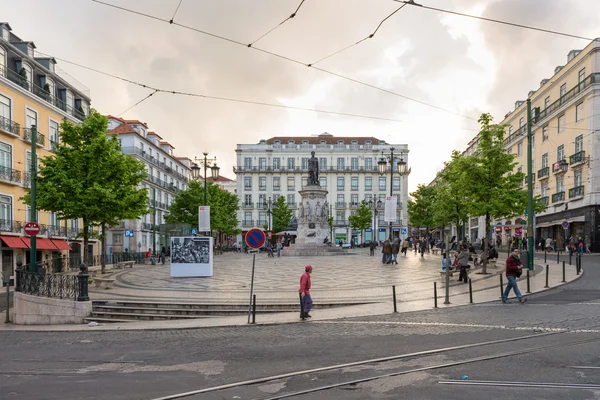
(28, 214)
(354, 199)
(69, 99)
(248, 217)
(368, 182)
(262, 183)
(563, 89)
(291, 199)
(54, 220)
(5, 209)
(322, 163)
(28, 72)
(247, 162)
(262, 199)
(340, 163)
(340, 198)
(2, 59)
(581, 75)
(30, 118)
(544, 189)
(291, 183)
(323, 182)
(510, 130)
(579, 112)
(544, 160)
(577, 178)
(560, 152)
(340, 183)
(368, 163)
(5, 155)
(521, 122)
(339, 217)
(544, 133)
(275, 197)
(276, 163)
(354, 163)
(354, 183)
(546, 102)
(396, 183)
(262, 163)
(519, 149)
(382, 183)
(560, 187)
(248, 200)
(53, 132)
(276, 183)
(304, 163)
(51, 87)
(561, 123)
(5, 112)
(579, 143)
(247, 183)
(117, 238)
(291, 163)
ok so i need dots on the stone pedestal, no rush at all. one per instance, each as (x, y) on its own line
(313, 212)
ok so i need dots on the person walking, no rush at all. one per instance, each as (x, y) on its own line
(387, 252)
(372, 246)
(404, 247)
(304, 291)
(463, 264)
(395, 251)
(513, 271)
(422, 246)
(278, 247)
(163, 254)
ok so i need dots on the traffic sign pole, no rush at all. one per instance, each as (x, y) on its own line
(33, 206)
(530, 233)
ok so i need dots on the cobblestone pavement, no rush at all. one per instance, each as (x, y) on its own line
(352, 278)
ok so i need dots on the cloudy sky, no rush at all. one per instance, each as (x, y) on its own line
(463, 65)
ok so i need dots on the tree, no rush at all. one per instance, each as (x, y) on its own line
(492, 189)
(89, 178)
(420, 209)
(223, 207)
(362, 219)
(281, 214)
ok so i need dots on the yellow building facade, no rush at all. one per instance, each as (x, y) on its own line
(33, 96)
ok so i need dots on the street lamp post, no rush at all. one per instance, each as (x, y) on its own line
(267, 207)
(206, 164)
(382, 166)
(374, 205)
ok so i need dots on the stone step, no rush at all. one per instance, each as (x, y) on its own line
(141, 316)
(210, 306)
(109, 320)
(187, 311)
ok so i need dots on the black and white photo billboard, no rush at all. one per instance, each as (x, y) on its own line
(191, 256)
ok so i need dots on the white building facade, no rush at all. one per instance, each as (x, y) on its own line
(347, 169)
(167, 175)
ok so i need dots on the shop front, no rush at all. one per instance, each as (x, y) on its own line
(582, 222)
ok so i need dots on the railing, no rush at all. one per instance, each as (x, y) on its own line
(577, 158)
(590, 80)
(247, 206)
(9, 126)
(28, 134)
(544, 200)
(57, 230)
(248, 222)
(339, 222)
(9, 174)
(560, 167)
(8, 225)
(340, 168)
(340, 204)
(577, 191)
(48, 285)
(154, 161)
(354, 205)
(543, 173)
(557, 197)
(292, 205)
(518, 133)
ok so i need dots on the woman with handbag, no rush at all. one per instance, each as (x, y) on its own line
(514, 269)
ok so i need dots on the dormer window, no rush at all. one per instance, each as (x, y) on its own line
(291, 142)
(262, 142)
(305, 142)
(277, 142)
(323, 141)
(382, 142)
(355, 142)
(30, 51)
(340, 142)
(367, 142)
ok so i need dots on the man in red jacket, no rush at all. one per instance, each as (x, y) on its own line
(513, 266)
(305, 293)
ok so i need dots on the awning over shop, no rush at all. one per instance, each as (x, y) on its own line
(61, 245)
(14, 242)
(40, 244)
(560, 221)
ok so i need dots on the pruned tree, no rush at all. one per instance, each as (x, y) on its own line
(281, 214)
(420, 209)
(362, 219)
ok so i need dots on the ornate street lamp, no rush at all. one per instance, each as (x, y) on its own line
(382, 167)
(206, 164)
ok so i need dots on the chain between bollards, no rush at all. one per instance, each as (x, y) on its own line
(435, 295)
(564, 278)
(547, 272)
(394, 297)
(501, 286)
(470, 292)
(528, 284)
(253, 308)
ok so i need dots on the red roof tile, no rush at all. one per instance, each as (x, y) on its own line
(155, 134)
(136, 122)
(163, 142)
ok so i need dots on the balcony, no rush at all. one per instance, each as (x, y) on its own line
(247, 222)
(587, 82)
(10, 175)
(339, 222)
(577, 191)
(354, 206)
(292, 206)
(56, 230)
(577, 158)
(154, 161)
(9, 126)
(558, 197)
(517, 134)
(248, 206)
(543, 173)
(8, 225)
(544, 200)
(560, 167)
(28, 134)
(340, 204)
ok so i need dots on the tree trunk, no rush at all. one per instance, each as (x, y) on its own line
(485, 244)
(103, 252)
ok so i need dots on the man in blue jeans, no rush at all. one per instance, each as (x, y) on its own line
(513, 266)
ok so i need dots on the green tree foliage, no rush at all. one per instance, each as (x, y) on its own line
(362, 219)
(281, 214)
(420, 209)
(223, 207)
(89, 178)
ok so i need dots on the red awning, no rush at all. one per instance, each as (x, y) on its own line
(41, 244)
(61, 244)
(14, 242)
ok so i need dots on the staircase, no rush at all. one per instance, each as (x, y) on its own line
(107, 311)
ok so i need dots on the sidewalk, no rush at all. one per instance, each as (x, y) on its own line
(486, 288)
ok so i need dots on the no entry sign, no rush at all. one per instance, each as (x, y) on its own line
(32, 228)
(255, 238)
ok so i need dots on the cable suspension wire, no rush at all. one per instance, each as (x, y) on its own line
(139, 102)
(284, 58)
(362, 40)
(497, 21)
(175, 13)
(278, 25)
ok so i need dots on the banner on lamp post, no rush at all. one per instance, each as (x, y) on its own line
(203, 218)
(390, 209)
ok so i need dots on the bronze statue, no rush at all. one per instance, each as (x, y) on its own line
(313, 170)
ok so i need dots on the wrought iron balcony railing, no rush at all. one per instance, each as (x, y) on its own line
(558, 197)
(577, 158)
(543, 173)
(577, 191)
(544, 200)
(11, 175)
(28, 134)
(9, 126)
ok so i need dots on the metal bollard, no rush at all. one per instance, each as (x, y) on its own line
(528, 285)
(435, 295)
(301, 307)
(564, 279)
(254, 309)
(470, 292)
(547, 272)
(545, 255)
(394, 296)
(501, 286)
(571, 255)
(557, 256)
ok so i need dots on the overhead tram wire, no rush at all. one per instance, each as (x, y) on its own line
(139, 102)
(284, 58)
(175, 13)
(497, 21)
(278, 25)
(360, 41)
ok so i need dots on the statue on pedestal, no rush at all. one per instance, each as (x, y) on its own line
(313, 170)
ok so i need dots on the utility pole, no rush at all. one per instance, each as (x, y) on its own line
(530, 244)
(391, 187)
(33, 206)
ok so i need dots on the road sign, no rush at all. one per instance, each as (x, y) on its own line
(32, 228)
(565, 224)
(129, 233)
(255, 238)
(404, 231)
(194, 231)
